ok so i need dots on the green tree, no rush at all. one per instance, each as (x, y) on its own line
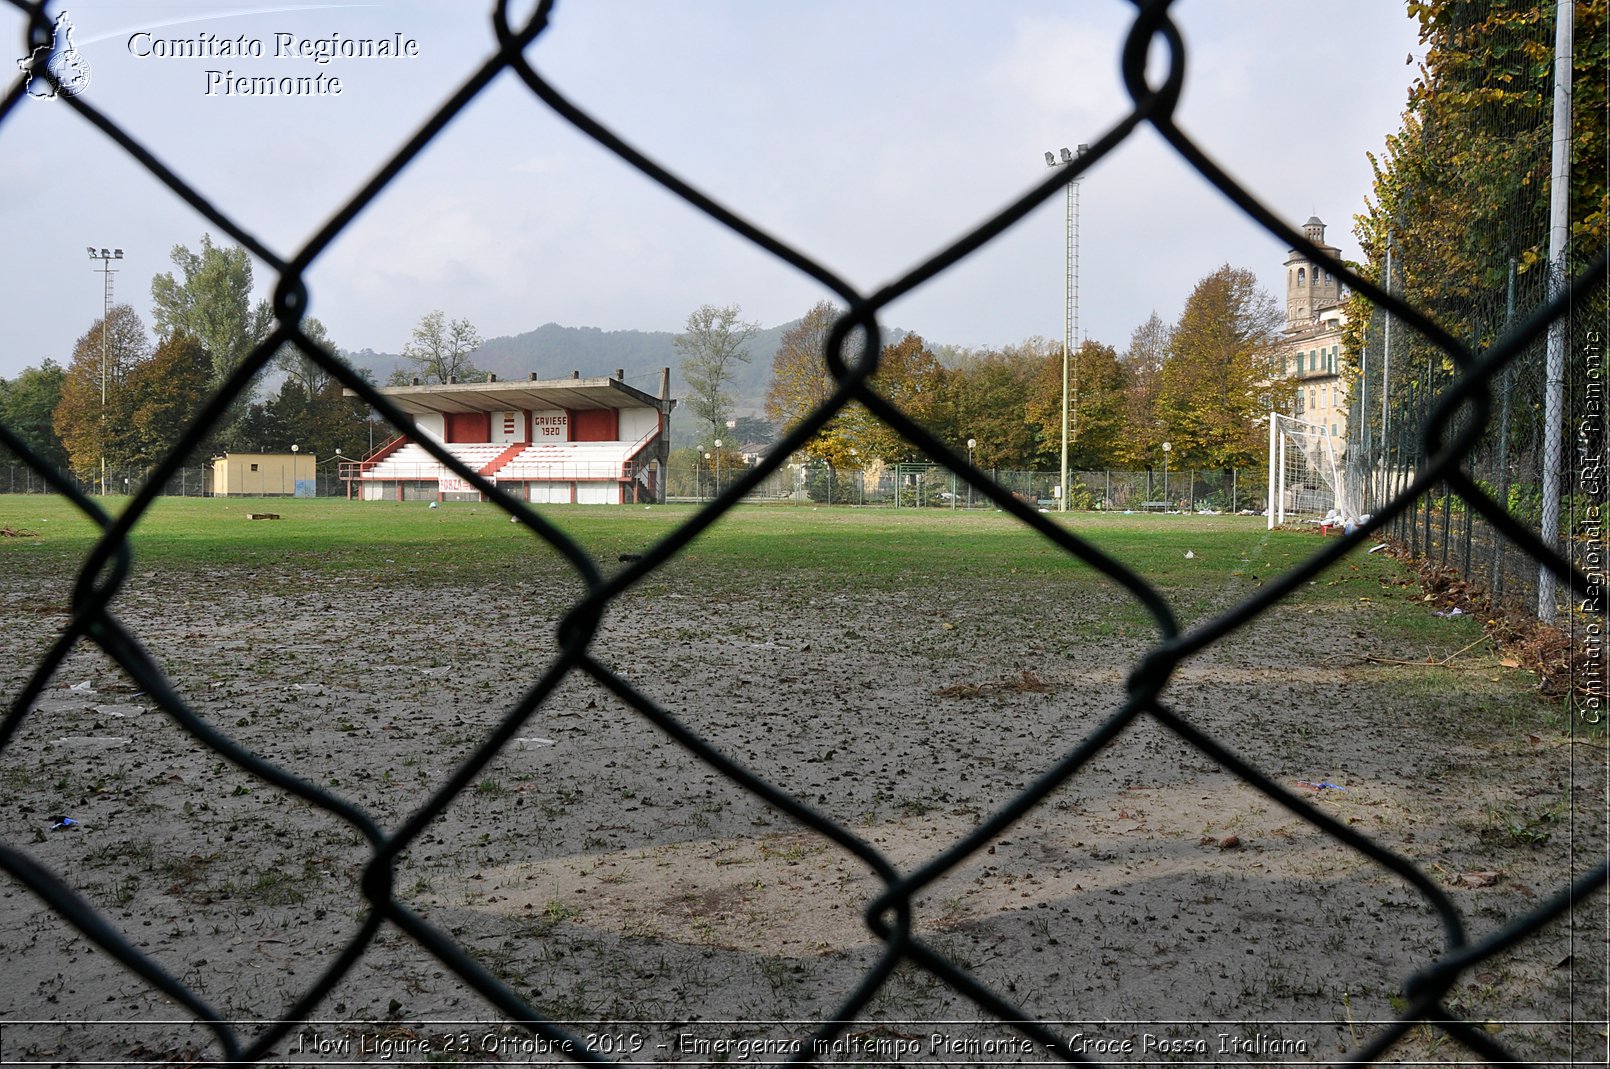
(92, 417)
(713, 342)
(319, 423)
(303, 367)
(28, 408)
(164, 395)
(212, 303)
(441, 350)
(310, 409)
(1220, 373)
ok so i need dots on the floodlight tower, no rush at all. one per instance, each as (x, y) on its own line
(1070, 312)
(105, 256)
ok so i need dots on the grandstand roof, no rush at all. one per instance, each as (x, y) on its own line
(521, 395)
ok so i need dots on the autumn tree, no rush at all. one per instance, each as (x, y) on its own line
(441, 350)
(1463, 186)
(992, 397)
(1461, 193)
(908, 376)
(1097, 407)
(713, 342)
(799, 377)
(92, 417)
(28, 409)
(1143, 369)
(800, 383)
(1220, 373)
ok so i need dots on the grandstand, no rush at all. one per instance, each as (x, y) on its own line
(575, 440)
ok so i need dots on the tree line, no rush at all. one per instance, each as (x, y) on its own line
(127, 394)
(1204, 383)
(1457, 221)
(1201, 383)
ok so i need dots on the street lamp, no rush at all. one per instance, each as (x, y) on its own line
(971, 443)
(1166, 448)
(1070, 309)
(718, 467)
(701, 474)
(105, 256)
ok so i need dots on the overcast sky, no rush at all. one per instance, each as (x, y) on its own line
(867, 132)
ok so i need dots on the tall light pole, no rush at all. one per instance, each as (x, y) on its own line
(105, 256)
(1070, 310)
(1554, 354)
(718, 467)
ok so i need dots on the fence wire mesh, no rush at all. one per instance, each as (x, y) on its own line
(1501, 273)
(1429, 467)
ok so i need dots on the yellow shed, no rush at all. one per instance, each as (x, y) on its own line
(265, 475)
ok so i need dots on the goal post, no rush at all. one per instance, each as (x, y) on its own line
(1306, 483)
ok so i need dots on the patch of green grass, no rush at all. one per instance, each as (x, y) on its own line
(1200, 564)
(877, 548)
(1509, 825)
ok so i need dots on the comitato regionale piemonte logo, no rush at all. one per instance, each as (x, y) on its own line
(68, 70)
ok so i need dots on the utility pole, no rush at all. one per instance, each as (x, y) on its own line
(1554, 360)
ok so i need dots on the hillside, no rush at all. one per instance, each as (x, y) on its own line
(554, 351)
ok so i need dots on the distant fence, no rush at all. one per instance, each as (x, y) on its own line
(935, 486)
(894, 486)
(190, 481)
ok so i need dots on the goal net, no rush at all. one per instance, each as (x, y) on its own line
(1306, 481)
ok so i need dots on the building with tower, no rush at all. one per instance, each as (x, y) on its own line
(1313, 340)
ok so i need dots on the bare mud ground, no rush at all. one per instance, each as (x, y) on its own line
(608, 877)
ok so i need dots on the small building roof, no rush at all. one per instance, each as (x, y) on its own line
(521, 395)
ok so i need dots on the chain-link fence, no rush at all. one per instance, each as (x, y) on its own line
(188, 481)
(1436, 437)
(1483, 286)
(1405, 379)
(936, 486)
(919, 485)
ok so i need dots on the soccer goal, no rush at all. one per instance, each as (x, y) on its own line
(1306, 483)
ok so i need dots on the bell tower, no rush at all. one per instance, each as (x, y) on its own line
(1310, 287)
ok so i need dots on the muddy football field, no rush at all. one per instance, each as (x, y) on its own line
(1154, 907)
